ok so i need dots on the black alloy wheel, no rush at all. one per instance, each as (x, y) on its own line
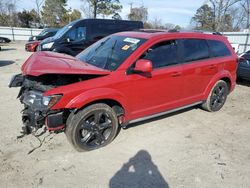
(92, 127)
(217, 97)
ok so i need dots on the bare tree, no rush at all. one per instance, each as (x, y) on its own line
(221, 10)
(87, 9)
(156, 23)
(38, 8)
(39, 4)
(245, 4)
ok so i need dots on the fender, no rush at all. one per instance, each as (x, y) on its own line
(219, 76)
(98, 94)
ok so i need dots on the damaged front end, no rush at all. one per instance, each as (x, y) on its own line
(37, 107)
(36, 112)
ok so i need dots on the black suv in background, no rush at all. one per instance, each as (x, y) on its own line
(78, 35)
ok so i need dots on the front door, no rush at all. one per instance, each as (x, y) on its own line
(161, 90)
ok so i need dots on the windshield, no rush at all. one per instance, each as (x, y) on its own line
(63, 30)
(44, 32)
(110, 52)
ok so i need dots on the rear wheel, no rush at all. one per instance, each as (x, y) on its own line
(91, 128)
(217, 97)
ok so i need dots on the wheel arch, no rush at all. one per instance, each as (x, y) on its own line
(225, 76)
(110, 97)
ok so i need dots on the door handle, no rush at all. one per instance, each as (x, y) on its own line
(212, 66)
(176, 74)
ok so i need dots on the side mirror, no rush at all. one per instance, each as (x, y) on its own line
(143, 66)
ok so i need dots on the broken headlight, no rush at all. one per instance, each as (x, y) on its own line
(36, 100)
(50, 101)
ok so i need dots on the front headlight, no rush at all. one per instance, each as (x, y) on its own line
(34, 38)
(47, 45)
(50, 101)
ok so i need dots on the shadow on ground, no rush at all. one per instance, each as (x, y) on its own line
(139, 171)
(243, 82)
(6, 62)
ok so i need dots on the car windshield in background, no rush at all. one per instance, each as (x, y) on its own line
(110, 52)
(63, 30)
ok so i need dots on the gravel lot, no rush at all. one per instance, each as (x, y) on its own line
(191, 148)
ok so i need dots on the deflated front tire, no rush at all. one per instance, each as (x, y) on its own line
(91, 128)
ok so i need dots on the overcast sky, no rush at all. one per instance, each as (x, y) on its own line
(169, 11)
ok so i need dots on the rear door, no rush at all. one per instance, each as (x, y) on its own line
(198, 68)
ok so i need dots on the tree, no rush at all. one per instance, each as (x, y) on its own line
(204, 18)
(73, 15)
(93, 8)
(25, 18)
(138, 14)
(53, 13)
(157, 24)
(245, 4)
(221, 10)
(8, 13)
(38, 6)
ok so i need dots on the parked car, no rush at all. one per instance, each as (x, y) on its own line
(34, 41)
(243, 70)
(32, 46)
(48, 32)
(79, 34)
(124, 78)
(4, 40)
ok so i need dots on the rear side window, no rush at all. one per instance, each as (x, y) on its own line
(162, 54)
(194, 49)
(218, 48)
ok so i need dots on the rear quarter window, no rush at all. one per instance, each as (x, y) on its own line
(218, 48)
(194, 49)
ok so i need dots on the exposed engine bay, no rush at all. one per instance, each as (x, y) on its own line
(37, 112)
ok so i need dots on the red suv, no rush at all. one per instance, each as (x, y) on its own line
(124, 78)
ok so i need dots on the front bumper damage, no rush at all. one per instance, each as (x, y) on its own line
(35, 114)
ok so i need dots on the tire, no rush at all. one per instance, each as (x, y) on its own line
(217, 97)
(91, 128)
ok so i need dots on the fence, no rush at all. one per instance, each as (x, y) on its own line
(18, 33)
(239, 40)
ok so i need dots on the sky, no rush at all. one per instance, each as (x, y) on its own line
(178, 12)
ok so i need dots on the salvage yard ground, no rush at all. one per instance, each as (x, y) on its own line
(191, 148)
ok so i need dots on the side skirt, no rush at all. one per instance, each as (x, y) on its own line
(160, 114)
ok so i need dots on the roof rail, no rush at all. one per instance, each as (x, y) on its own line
(205, 32)
(152, 30)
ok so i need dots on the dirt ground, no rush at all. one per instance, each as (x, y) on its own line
(191, 148)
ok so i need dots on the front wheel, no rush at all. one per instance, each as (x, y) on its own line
(91, 128)
(217, 97)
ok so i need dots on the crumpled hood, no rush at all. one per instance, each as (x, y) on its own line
(54, 63)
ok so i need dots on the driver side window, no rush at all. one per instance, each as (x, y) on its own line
(77, 34)
(162, 54)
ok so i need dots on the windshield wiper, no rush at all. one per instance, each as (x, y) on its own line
(110, 56)
(90, 55)
(102, 43)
